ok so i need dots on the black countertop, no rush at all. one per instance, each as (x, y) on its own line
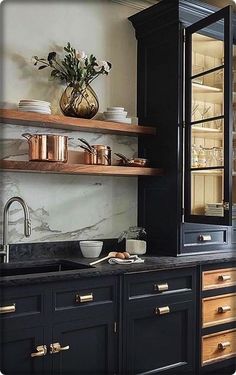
(151, 263)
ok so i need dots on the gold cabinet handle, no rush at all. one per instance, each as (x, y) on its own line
(205, 237)
(8, 309)
(57, 348)
(161, 287)
(224, 345)
(85, 298)
(41, 351)
(162, 310)
(224, 277)
(223, 309)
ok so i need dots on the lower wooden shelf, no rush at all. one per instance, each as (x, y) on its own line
(65, 168)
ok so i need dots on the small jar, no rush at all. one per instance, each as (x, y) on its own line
(135, 240)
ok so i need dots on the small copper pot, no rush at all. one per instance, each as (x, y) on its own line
(47, 147)
(98, 155)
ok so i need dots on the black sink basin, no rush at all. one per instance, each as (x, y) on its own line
(41, 267)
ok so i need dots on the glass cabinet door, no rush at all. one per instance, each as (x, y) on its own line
(208, 120)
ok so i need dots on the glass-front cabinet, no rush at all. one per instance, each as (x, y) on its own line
(208, 167)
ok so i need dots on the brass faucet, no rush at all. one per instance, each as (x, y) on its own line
(4, 248)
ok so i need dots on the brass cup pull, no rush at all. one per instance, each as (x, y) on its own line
(224, 277)
(223, 309)
(224, 345)
(85, 298)
(161, 287)
(204, 237)
(162, 310)
(8, 309)
(41, 351)
(57, 348)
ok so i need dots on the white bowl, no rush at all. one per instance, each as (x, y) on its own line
(115, 114)
(111, 109)
(91, 249)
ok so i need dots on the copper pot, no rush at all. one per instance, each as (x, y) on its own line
(47, 147)
(99, 155)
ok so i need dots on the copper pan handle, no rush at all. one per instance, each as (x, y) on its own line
(27, 136)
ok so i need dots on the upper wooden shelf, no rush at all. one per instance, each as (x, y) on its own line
(84, 169)
(9, 116)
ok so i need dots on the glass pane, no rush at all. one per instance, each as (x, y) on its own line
(207, 144)
(207, 192)
(207, 52)
(208, 96)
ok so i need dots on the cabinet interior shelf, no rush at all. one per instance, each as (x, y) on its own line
(202, 132)
(81, 169)
(8, 116)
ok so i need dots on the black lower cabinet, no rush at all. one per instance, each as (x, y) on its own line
(16, 348)
(160, 338)
(88, 347)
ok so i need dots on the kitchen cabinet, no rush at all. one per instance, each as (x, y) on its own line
(217, 319)
(71, 328)
(185, 82)
(159, 322)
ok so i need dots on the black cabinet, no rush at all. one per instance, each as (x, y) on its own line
(60, 328)
(185, 90)
(159, 322)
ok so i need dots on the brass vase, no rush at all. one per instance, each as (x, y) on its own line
(77, 101)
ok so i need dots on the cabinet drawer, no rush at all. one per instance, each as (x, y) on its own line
(83, 293)
(218, 346)
(158, 283)
(22, 305)
(208, 237)
(219, 278)
(218, 310)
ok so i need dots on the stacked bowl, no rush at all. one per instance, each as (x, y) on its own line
(33, 105)
(116, 114)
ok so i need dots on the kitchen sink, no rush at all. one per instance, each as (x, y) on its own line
(14, 269)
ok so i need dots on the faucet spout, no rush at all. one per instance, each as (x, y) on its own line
(27, 224)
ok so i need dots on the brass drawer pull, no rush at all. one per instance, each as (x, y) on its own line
(8, 309)
(204, 237)
(85, 298)
(162, 310)
(224, 277)
(41, 351)
(223, 309)
(224, 345)
(161, 287)
(57, 348)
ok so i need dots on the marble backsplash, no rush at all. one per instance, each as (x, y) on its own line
(67, 207)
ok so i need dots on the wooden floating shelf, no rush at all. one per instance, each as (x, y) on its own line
(80, 169)
(8, 116)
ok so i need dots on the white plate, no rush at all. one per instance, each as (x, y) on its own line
(40, 108)
(33, 105)
(115, 109)
(35, 110)
(114, 114)
(34, 101)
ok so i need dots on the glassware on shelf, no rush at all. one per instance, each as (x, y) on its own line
(194, 156)
(202, 161)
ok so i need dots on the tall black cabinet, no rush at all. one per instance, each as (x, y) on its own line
(185, 54)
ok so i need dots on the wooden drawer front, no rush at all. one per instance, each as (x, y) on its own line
(159, 283)
(218, 346)
(218, 310)
(82, 295)
(218, 278)
(208, 237)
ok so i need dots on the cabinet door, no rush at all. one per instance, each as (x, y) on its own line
(208, 167)
(90, 347)
(159, 338)
(16, 349)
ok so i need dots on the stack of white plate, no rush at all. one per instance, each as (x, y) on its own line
(116, 114)
(33, 105)
(214, 209)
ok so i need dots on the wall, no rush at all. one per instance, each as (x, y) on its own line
(66, 207)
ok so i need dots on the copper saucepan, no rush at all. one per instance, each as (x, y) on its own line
(47, 147)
